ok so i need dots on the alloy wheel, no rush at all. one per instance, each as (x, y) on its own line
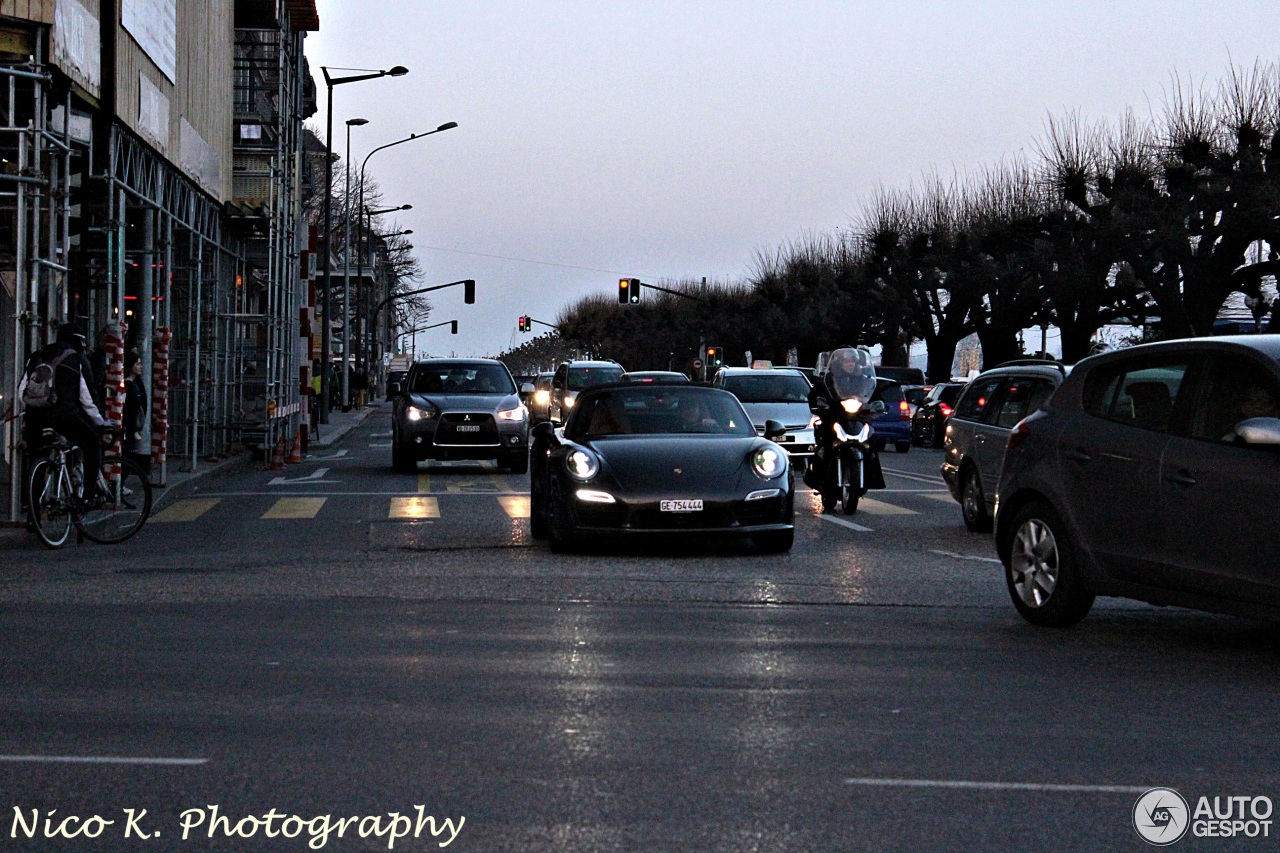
(1034, 563)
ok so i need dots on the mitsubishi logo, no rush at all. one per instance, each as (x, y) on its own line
(466, 417)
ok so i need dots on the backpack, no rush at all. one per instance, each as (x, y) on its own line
(40, 392)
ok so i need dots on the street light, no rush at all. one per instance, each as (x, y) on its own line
(449, 125)
(347, 367)
(364, 342)
(326, 282)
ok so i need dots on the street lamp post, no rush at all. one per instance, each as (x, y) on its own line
(326, 286)
(450, 125)
(347, 365)
(362, 326)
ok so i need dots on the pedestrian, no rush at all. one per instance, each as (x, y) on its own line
(99, 358)
(134, 417)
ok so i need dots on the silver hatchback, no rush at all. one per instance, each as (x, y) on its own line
(976, 432)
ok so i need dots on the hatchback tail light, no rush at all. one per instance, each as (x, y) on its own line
(1022, 429)
(904, 411)
(945, 409)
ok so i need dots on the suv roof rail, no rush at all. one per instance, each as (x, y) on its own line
(1034, 362)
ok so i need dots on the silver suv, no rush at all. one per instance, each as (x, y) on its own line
(973, 449)
(572, 377)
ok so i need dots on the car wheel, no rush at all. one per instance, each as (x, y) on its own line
(401, 461)
(1041, 571)
(557, 526)
(917, 436)
(518, 464)
(936, 436)
(902, 446)
(775, 541)
(537, 509)
(973, 503)
(878, 445)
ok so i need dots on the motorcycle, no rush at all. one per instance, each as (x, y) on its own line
(845, 465)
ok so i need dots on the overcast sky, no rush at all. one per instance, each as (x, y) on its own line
(674, 140)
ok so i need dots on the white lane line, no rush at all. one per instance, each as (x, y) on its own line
(848, 524)
(911, 475)
(997, 786)
(956, 556)
(374, 444)
(101, 759)
(346, 494)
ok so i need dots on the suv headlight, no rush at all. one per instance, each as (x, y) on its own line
(516, 414)
(582, 465)
(421, 413)
(768, 462)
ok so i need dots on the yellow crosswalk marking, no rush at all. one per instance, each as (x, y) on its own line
(414, 508)
(424, 482)
(516, 506)
(501, 482)
(874, 507)
(295, 508)
(188, 510)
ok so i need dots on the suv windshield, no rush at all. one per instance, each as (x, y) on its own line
(457, 378)
(777, 388)
(585, 377)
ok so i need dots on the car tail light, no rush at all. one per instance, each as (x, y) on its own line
(1022, 429)
(945, 409)
(904, 411)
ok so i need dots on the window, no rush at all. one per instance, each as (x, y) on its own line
(1142, 395)
(1235, 389)
(975, 404)
(779, 388)
(1021, 397)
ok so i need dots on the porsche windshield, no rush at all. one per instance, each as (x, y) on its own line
(659, 410)
(445, 378)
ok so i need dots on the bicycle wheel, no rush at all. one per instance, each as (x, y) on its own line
(127, 507)
(49, 502)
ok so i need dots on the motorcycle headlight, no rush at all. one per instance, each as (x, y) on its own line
(769, 462)
(582, 465)
(516, 414)
(851, 406)
(420, 413)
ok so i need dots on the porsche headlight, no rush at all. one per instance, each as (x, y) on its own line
(851, 406)
(516, 414)
(582, 465)
(768, 462)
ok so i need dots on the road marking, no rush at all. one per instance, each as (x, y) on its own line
(956, 556)
(415, 507)
(424, 482)
(875, 507)
(843, 523)
(187, 510)
(316, 476)
(503, 485)
(945, 497)
(911, 475)
(338, 455)
(380, 435)
(997, 786)
(516, 506)
(385, 494)
(100, 759)
(377, 444)
(295, 508)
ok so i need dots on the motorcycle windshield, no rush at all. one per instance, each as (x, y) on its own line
(851, 374)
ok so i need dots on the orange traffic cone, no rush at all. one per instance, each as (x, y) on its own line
(295, 452)
(277, 461)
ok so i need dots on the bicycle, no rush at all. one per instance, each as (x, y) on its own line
(55, 503)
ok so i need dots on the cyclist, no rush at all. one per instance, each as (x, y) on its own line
(71, 412)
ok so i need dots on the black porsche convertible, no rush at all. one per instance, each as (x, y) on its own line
(660, 460)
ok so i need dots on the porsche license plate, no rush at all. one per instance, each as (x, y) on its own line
(469, 428)
(680, 506)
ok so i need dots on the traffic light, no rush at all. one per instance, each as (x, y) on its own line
(628, 291)
(469, 291)
(524, 323)
(453, 327)
(715, 358)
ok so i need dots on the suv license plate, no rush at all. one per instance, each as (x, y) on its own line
(469, 428)
(680, 506)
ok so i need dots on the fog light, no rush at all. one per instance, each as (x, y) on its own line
(417, 440)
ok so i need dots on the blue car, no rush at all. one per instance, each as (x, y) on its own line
(894, 426)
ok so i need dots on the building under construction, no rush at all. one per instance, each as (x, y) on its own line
(151, 191)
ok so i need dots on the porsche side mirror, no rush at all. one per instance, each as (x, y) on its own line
(774, 429)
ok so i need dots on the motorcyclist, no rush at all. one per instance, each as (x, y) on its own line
(841, 395)
(73, 414)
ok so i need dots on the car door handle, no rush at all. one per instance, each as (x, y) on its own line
(1182, 478)
(1077, 455)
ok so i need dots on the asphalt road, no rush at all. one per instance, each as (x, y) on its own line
(350, 642)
